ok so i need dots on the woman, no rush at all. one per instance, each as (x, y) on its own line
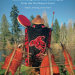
(38, 37)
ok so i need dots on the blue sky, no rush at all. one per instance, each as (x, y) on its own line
(64, 9)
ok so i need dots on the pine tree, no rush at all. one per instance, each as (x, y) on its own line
(44, 16)
(74, 32)
(31, 18)
(74, 28)
(56, 31)
(70, 31)
(63, 33)
(4, 29)
(15, 28)
(0, 28)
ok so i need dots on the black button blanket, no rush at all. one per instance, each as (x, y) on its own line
(37, 38)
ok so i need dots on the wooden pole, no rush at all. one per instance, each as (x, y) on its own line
(22, 47)
(50, 62)
(11, 60)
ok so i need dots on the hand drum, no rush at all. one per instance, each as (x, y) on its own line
(23, 20)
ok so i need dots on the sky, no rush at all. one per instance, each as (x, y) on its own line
(64, 9)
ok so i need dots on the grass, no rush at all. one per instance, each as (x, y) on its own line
(23, 70)
(2, 71)
(27, 70)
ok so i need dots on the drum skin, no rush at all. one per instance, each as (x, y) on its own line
(23, 20)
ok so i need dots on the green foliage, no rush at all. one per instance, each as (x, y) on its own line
(44, 16)
(4, 29)
(23, 70)
(2, 71)
(31, 18)
(47, 25)
(74, 25)
(56, 31)
(15, 28)
(63, 33)
(74, 31)
(62, 67)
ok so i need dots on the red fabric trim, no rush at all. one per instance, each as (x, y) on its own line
(43, 26)
(49, 38)
(33, 26)
(26, 47)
